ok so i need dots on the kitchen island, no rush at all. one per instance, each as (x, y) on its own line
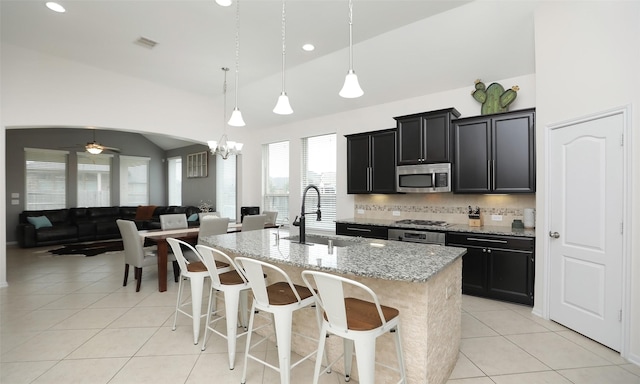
(422, 281)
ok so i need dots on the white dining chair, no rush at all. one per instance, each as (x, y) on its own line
(253, 222)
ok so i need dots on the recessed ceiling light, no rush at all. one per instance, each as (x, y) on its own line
(308, 47)
(55, 7)
(223, 3)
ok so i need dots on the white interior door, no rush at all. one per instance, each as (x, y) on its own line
(586, 215)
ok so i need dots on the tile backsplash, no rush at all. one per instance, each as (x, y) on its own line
(449, 207)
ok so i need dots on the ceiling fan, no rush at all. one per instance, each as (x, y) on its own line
(95, 148)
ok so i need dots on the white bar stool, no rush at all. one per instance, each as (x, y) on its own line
(196, 272)
(280, 299)
(235, 288)
(357, 321)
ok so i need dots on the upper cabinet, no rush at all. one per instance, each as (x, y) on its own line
(425, 137)
(495, 153)
(371, 162)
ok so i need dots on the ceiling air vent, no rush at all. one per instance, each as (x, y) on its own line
(147, 43)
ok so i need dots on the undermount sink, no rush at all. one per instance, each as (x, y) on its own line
(311, 239)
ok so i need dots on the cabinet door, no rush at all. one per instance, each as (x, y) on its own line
(437, 138)
(358, 164)
(410, 140)
(474, 272)
(383, 162)
(513, 154)
(510, 275)
(472, 151)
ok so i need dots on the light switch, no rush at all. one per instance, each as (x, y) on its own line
(15, 202)
(360, 211)
(396, 213)
(15, 195)
(496, 217)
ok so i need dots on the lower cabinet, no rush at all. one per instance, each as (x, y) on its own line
(362, 230)
(497, 267)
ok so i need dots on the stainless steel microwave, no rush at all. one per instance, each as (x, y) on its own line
(424, 178)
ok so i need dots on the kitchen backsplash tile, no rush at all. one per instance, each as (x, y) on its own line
(443, 206)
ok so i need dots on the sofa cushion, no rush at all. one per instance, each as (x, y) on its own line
(193, 217)
(145, 212)
(39, 221)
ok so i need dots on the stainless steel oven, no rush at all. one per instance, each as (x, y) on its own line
(417, 236)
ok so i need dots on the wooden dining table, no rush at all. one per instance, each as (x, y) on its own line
(190, 235)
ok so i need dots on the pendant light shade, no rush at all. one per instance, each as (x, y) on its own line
(236, 119)
(223, 3)
(282, 106)
(351, 88)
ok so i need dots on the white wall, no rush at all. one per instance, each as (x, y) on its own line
(587, 61)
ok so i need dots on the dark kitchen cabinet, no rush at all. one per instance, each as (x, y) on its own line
(497, 267)
(425, 137)
(495, 153)
(371, 162)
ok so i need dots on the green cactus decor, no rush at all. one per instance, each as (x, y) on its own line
(494, 99)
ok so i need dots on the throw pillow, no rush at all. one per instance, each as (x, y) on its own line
(39, 221)
(145, 212)
(193, 217)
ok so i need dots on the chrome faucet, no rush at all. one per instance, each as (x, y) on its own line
(301, 221)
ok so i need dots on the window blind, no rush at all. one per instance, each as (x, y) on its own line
(319, 169)
(226, 191)
(46, 179)
(94, 179)
(275, 178)
(134, 180)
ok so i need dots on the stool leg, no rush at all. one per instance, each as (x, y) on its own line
(348, 357)
(212, 296)
(197, 286)
(175, 316)
(398, 338)
(246, 350)
(244, 306)
(283, 320)
(366, 358)
(231, 302)
(321, 352)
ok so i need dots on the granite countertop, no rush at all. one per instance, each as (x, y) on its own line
(485, 229)
(381, 259)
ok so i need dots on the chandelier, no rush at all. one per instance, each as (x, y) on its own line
(224, 147)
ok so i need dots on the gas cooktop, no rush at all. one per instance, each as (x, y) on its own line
(433, 223)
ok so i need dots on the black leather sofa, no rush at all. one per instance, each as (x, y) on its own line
(88, 224)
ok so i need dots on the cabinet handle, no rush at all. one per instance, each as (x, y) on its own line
(358, 229)
(369, 183)
(488, 240)
(493, 173)
(488, 173)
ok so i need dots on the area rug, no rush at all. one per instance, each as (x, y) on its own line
(89, 249)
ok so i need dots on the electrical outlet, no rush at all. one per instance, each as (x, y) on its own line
(360, 211)
(496, 217)
(395, 213)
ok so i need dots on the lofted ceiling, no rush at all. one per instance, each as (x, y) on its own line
(402, 48)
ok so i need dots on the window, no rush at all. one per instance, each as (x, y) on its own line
(175, 180)
(134, 180)
(275, 176)
(226, 187)
(94, 179)
(46, 178)
(319, 169)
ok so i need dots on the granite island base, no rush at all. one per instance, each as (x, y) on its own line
(422, 281)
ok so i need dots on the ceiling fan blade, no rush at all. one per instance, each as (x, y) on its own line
(113, 149)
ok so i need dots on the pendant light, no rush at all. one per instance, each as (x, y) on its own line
(236, 119)
(224, 147)
(351, 88)
(282, 106)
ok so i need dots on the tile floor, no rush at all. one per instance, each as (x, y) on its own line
(67, 319)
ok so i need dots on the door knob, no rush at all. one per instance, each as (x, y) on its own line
(555, 235)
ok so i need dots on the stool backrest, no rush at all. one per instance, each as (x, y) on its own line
(176, 248)
(255, 271)
(272, 216)
(330, 296)
(209, 256)
(253, 222)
